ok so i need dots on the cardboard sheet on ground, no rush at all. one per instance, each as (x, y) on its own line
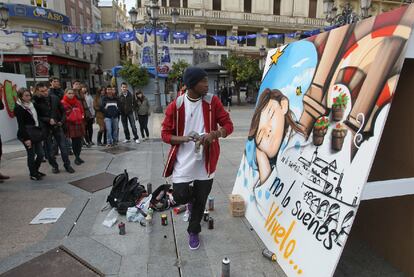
(321, 109)
(48, 215)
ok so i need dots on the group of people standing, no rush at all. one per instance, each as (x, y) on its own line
(53, 120)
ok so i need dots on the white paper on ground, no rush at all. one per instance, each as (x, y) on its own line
(48, 215)
(110, 218)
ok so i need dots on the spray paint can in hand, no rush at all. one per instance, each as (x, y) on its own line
(211, 203)
(206, 215)
(149, 188)
(121, 227)
(269, 254)
(225, 267)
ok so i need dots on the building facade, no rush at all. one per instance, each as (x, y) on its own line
(39, 57)
(114, 18)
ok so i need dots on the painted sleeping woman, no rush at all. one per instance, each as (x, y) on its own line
(272, 125)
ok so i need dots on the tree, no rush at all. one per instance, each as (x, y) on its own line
(134, 75)
(243, 70)
(177, 71)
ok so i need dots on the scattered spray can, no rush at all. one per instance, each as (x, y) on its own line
(269, 254)
(225, 267)
(206, 216)
(121, 227)
(211, 223)
(149, 188)
(211, 203)
(180, 209)
(164, 220)
(150, 212)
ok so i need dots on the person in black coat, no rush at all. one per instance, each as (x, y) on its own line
(110, 107)
(2, 177)
(28, 125)
(52, 117)
(55, 88)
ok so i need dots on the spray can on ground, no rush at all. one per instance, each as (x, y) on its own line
(206, 215)
(269, 254)
(121, 227)
(225, 267)
(180, 209)
(211, 203)
(164, 220)
(210, 223)
(149, 188)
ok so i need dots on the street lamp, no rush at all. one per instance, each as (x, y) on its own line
(347, 15)
(262, 53)
(174, 16)
(30, 46)
(153, 11)
(4, 15)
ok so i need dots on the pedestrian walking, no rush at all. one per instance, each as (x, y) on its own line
(87, 104)
(127, 103)
(2, 177)
(142, 112)
(75, 124)
(29, 132)
(194, 112)
(110, 107)
(99, 115)
(52, 116)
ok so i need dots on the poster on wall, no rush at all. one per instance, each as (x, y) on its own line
(319, 116)
(41, 66)
(9, 84)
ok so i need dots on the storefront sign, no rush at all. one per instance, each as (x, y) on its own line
(320, 113)
(20, 10)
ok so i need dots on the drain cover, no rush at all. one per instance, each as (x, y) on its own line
(94, 183)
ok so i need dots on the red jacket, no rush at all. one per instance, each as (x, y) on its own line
(173, 124)
(75, 114)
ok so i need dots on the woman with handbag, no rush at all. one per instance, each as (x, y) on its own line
(142, 112)
(29, 132)
(75, 124)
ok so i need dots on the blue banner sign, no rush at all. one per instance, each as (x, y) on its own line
(37, 13)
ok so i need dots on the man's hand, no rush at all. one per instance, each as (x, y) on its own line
(181, 139)
(28, 143)
(207, 139)
(52, 121)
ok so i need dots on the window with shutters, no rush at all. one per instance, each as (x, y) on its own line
(312, 8)
(217, 5)
(247, 6)
(276, 7)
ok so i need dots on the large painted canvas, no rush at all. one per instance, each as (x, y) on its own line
(321, 109)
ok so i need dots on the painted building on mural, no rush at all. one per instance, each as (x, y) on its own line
(44, 54)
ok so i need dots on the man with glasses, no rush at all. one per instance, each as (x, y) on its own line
(52, 115)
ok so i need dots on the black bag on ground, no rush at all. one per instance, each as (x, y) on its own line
(125, 192)
(160, 201)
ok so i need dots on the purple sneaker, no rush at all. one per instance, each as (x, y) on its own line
(194, 241)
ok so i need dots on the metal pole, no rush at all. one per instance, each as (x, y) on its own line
(157, 94)
(31, 50)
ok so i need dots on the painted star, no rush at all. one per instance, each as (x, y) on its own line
(275, 57)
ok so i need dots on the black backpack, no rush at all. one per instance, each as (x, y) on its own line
(125, 192)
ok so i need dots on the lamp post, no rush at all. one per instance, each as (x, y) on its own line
(262, 53)
(30, 46)
(174, 17)
(4, 16)
(347, 15)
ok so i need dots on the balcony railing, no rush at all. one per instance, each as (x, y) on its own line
(199, 15)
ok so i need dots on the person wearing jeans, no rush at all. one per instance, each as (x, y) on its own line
(110, 108)
(28, 122)
(194, 117)
(52, 117)
(127, 104)
(142, 111)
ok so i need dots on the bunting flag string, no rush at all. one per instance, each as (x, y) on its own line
(164, 33)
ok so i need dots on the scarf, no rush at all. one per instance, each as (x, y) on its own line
(71, 102)
(29, 107)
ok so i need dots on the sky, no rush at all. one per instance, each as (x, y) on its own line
(130, 4)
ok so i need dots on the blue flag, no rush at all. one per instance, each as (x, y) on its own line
(220, 39)
(146, 56)
(165, 56)
(127, 36)
(47, 35)
(276, 36)
(199, 36)
(291, 35)
(251, 36)
(89, 38)
(180, 35)
(8, 32)
(233, 38)
(108, 36)
(30, 35)
(70, 37)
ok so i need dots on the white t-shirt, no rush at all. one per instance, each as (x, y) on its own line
(187, 168)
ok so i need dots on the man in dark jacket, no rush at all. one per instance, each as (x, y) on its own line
(52, 116)
(127, 103)
(55, 88)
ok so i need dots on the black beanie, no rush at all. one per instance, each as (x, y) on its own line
(193, 75)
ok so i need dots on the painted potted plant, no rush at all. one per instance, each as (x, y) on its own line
(339, 105)
(319, 130)
(338, 136)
